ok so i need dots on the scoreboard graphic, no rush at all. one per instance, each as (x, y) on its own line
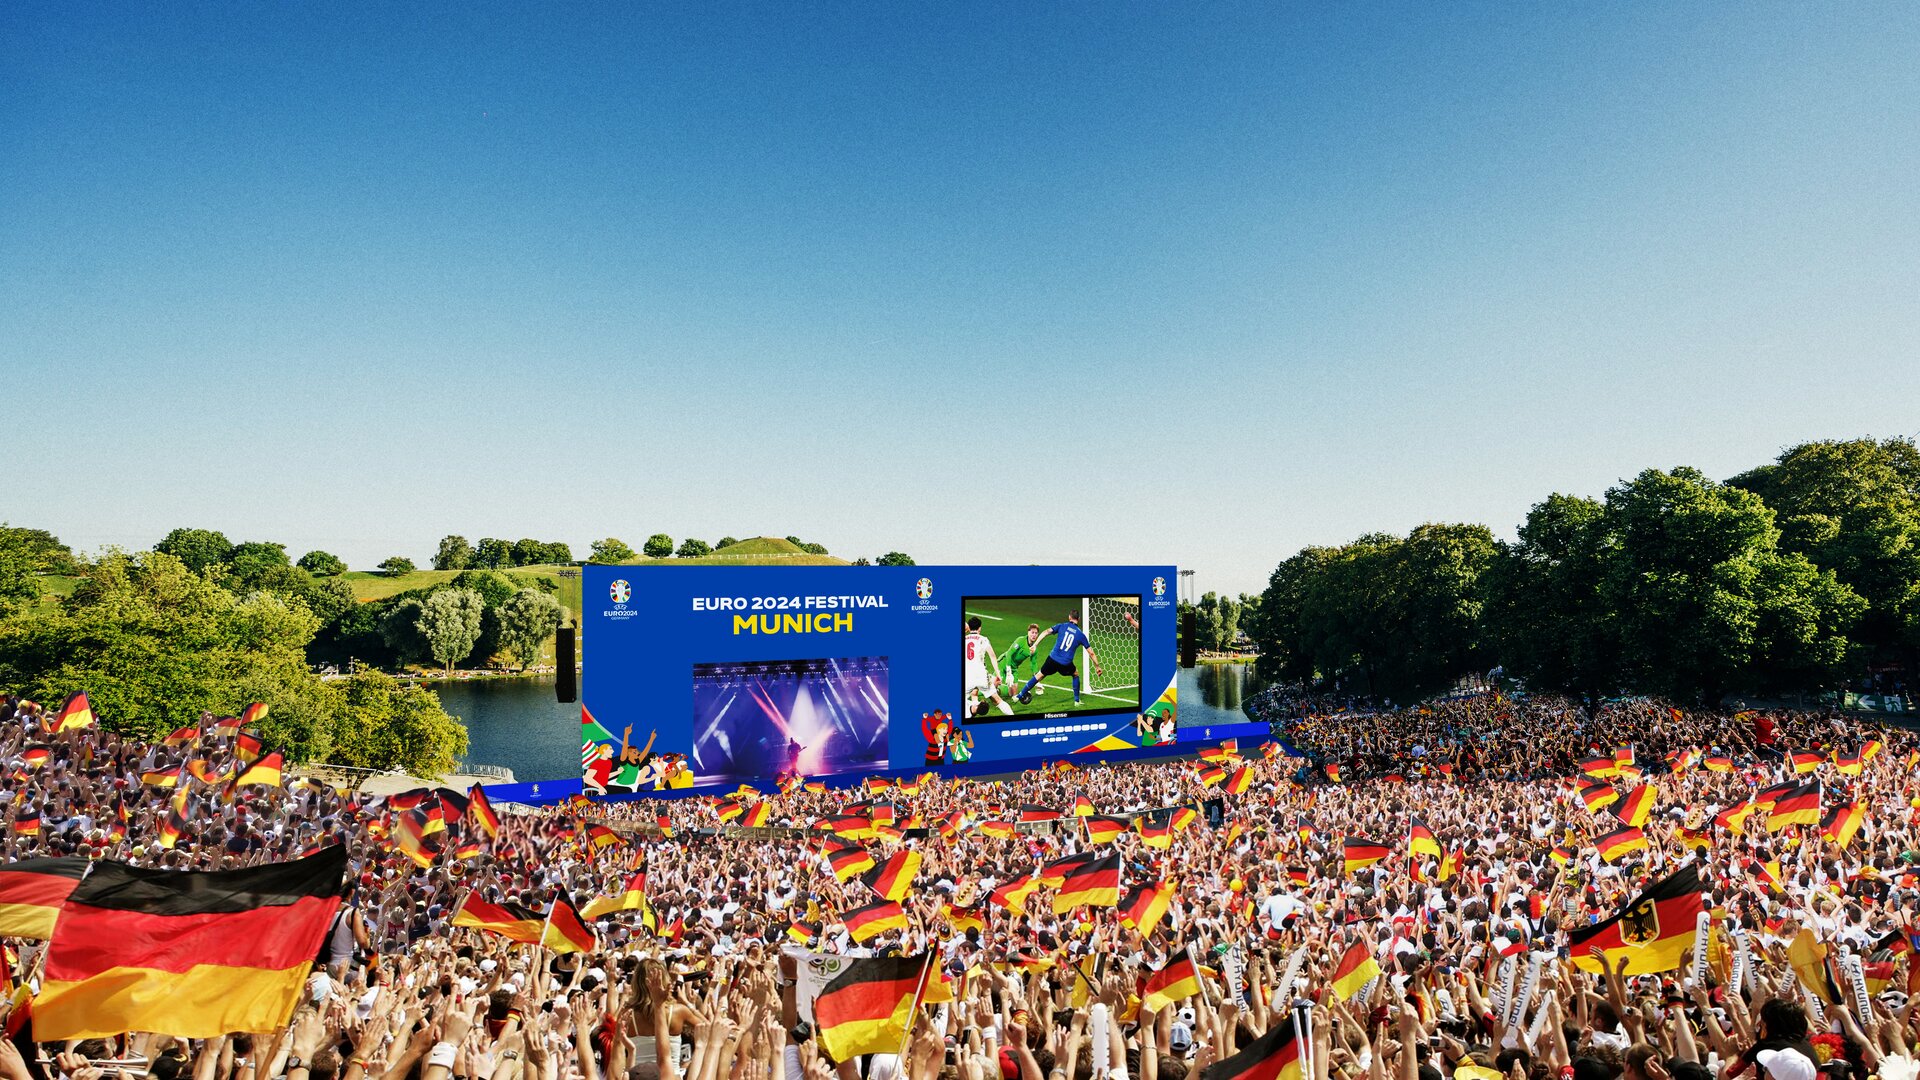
(702, 676)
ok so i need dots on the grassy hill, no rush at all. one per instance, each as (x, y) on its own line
(759, 551)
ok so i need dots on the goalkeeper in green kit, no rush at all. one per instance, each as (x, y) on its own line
(1024, 651)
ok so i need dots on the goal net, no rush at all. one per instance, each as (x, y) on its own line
(1113, 622)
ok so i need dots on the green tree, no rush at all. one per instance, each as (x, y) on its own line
(197, 548)
(610, 550)
(322, 564)
(19, 567)
(558, 552)
(491, 554)
(693, 549)
(814, 549)
(454, 553)
(42, 550)
(863, 561)
(1545, 618)
(1279, 627)
(658, 546)
(527, 619)
(725, 542)
(400, 631)
(258, 566)
(385, 723)
(528, 552)
(328, 600)
(450, 623)
(894, 558)
(396, 565)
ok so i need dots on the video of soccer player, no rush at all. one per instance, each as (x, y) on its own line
(1026, 657)
(810, 717)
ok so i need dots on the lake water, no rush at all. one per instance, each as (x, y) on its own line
(517, 723)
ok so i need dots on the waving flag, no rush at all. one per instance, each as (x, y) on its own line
(1652, 934)
(31, 892)
(866, 1008)
(1104, 830)
(1176, 981)
(74, 714)
(1091, 884)
(1358, 852)
(869, 922)
(1357, 968)
(566, 931)
(1273, 1056)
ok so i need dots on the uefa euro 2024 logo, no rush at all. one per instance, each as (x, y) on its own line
(923, 588)
(1159, 586)
(620, 591)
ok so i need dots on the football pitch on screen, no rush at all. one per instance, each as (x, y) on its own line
(1004, 620)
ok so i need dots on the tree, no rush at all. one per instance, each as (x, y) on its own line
(395, 565)
(814, 549)
(559, 552)
(329, 600)
(693, 549)
(450, 623)
(725, 542)
(198, 549)
(385, 723)
(260, 566)
(658, 546)
(322, 564)
(863, 561)
(1545, 618)
(44, 552)
(894, 558)
(528, 552)
(19, 570)
(527, 619)
(491, 554)
(610, 550)
(400, 631)
(454, 553)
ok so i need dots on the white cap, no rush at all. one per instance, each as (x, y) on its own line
(489, 964)
(1787, 1064)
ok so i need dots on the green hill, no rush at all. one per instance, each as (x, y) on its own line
(758, 551)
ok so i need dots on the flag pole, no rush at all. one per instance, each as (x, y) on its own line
(913, 1017)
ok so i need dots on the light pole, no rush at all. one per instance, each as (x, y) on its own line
(1186, 584)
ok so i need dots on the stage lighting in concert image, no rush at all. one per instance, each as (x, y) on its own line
(811, 717)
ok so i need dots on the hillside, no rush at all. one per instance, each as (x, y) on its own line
(758, 551)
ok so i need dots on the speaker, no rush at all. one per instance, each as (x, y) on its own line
(1189, 638)
(564, 683)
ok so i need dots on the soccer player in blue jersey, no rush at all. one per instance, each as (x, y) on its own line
(1067, 637)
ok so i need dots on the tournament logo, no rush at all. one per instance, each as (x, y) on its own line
(620, 591)
(1159, 586)
(923, 589)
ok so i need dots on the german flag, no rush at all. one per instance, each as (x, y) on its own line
(33, 757)
(1031, 812)
(1598, 796)
(1158, 837)
(949, 825)
(1842, 822)
(161, 778)
(1623, 756)
(802, 932)
(1001, 830)
(1600, 767)
(1637, 807)
(1765, 797)
(1240, 781)
(1212, 775)
(1420, 840)
(1092, 884)
(1653, 933)
(1358, 852)
(1719, 763)
(1620, 843)
(26, 823)
(1871, 749)
(1357, 968)
(1273, 1056)
(1182, 819)
(1766, 873)
(74, 714)
(246, 746)
(1104, 830)
(814, 787)
(172, 828)
(849, 862)
(265, 772)
(1175, 982)
(1013, 895)
(482, 810)
(1145, 906)
(1298, 876)
(453, 805)
(728, 809)
(893, 879)
(1561, 854)
(1333, 771)
(1082, 806)
(1848, 764)
(1222, 752)
(867, 923)
(469, 849)
(1054, 874)
(510, 921)
(631, 898)
(963, 919)
(883, 813)
(1805, 762)
(31, 892)
(1734, 817)
(603, 837)
(253, 714)
(566, 931)
(192, 954)
(866, 1008)
(1801, 806)
(182, 736)
(1450, 864)
(226, 725)
(203, 771)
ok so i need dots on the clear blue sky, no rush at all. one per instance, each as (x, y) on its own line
(996, 283)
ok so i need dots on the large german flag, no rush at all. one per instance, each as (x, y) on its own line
(1598, 796)
(1091, 884)
(1420, 840)
(1653, 933)
(849, 862)
(566, 931)
(894, 878)
(192, 954)
(1360, 852)
(1158, 837)
(1176, 981)
(75, 713)
(1054, 874)
(866, 1008)
(1273, 1056)
(867, 923)
(264, 772)
(510, 921)
(1842, 822)
(1240, 781)
(31, 892)
(1636, 808)
(1145, 906)
(1105, 830)
(1620, 843)
(1801, 806)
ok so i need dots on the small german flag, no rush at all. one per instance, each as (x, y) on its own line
(1333, 771)
(74, 714)
(566, 931)
(849, 861)
(27, 823)
(802, 932)
(265, 772)
(1358, 852)
(883, 813)
(1145, 906)
(1620, 843)
(33, 757)
(1183, 819)
(1104, 830)
(1600, 767)
(1561, 854)
(1240, 781)
(469, 849)
(246, 746)
(1719, 763)
(1013, 895)
(1212, 775)
(1599, 796)
(963, 919)
(1176, 981)
(161, 778)
(867, 923)
(1871, 749)
(1158, 837)
(1766, 873)
(1764, 798)
(482, 810)
(1848, 764)
(728, 809)
(1805, 762)
(603, 837)
(1651, 934)
(1357, 968)
(172, 828)
(1842, 822)
(1298, 876)
(1637, 807)
(1001, 830)
(1734, 817)
(1273, 1056)
(893, 879)
(192, 954)
(1801, 806)
(1082, 806)
(253, 714)
(1092, 884)
(182, 736)
(31, 892)
(1420, 840)
(1030, 812)
(866, 1008)
(204, 771)
(632, 898)
(1623, 756)
(949, 825)
(226, 725)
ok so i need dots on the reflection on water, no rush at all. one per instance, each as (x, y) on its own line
(1210, 694)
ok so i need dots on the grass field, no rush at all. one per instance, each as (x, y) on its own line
(1005, 619)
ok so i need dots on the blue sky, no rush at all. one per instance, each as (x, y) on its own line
(985, 283)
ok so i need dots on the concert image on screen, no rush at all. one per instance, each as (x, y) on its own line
(810, 717)
(1049, 656)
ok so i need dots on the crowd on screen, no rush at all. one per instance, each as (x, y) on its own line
(1404, 957)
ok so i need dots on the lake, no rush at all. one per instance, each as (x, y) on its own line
(516, 723)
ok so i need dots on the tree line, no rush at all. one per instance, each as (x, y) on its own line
(1800, 575)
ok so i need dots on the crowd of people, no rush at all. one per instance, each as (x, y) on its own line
(1464, 849)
